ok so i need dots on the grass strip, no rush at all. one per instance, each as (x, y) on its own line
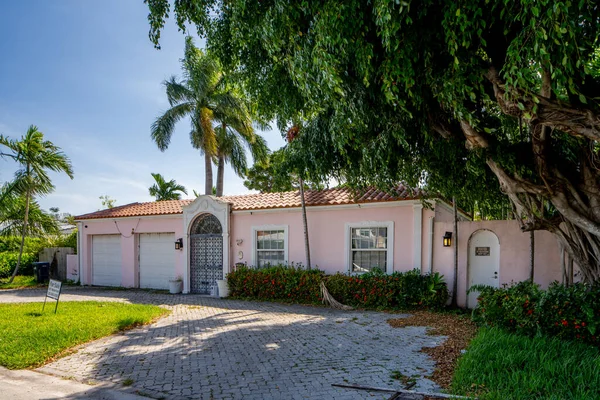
(29, 338)
(21, 282)
(501, 365)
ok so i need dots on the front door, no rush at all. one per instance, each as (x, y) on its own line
(206, 253)
(483, 262)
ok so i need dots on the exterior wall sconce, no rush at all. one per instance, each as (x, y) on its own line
(447, 239)
(179, 244)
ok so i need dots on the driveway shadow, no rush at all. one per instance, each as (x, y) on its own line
(213, 349)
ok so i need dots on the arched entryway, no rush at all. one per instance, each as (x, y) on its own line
(483, 262)
(206, 253)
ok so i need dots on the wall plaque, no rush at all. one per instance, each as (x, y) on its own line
(482, 251)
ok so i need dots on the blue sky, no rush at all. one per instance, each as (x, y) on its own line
(87, 75)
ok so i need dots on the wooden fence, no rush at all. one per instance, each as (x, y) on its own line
(57, 257)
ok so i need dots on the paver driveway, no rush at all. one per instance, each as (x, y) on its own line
(211, 348)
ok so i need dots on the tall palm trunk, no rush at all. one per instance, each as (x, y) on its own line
(208, 186)
(23, 234)
(306, 244)
(220, 174)
(221, 167)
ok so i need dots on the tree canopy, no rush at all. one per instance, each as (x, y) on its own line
(463, 97)
(276, 174)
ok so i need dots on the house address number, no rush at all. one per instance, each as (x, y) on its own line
(482, 251)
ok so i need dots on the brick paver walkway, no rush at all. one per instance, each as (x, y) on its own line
(224, 349)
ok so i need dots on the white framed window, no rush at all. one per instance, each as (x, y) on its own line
(269, 245)
(370, 245)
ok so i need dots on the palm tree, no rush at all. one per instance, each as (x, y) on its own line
(231, 149)
(35, 157)
(204, 97)
(164, 190)
(12, 215)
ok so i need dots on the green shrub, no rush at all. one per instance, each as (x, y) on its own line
(8, 262)
(276, 283)
(372, 290)
(13, 243)
(69, 240)
(401, 290)
(571, 313)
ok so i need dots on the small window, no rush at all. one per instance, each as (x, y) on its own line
(270, 247)
(369, 249)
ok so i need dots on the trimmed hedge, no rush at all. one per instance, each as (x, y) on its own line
(8, 262)
(571, 313)
(276, 283)
(373, 290)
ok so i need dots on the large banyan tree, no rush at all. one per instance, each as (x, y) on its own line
(436, 92)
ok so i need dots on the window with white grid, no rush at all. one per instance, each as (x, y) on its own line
(269, 245)
(370, 246)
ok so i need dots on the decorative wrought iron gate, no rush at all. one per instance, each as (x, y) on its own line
(206, 253)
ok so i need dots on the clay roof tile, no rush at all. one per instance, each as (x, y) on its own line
(259, 201)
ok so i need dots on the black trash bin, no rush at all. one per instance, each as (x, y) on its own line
(41, 271)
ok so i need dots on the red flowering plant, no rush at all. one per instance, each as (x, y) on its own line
(571, 313)
(511, 307)
(373, 290)
(283, 283)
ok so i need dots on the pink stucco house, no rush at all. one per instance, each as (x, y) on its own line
(146, 244)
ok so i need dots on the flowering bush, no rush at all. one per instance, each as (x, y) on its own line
(276, 283)
(372, 290)
(565, 312)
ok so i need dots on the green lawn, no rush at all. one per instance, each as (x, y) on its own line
(29, 338)
(21, 282)
(500, 365)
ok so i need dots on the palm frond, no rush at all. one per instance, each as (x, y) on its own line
(178, 92)
(162, 129)
(163, 190)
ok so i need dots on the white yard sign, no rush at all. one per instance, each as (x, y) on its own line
(53, 292)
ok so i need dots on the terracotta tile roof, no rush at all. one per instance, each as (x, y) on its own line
(259, 201)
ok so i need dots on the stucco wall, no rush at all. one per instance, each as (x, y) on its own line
(129, 244)
(514, 254)
(328, 241)
(327, 231)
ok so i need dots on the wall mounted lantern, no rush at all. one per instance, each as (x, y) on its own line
(447, 239)
(179, 244)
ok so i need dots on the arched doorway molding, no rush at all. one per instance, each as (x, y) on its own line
(483, 262)
(219, 210)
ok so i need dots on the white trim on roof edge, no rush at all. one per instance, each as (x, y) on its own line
(378, 204)
(373, 204)
(180, 215)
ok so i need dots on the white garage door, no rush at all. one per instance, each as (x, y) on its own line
(157, 260)
(106, 260)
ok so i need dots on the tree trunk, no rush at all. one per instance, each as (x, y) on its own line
(455, 234)
(220, 174)
(208, 185)
(23, 234)
(531, 255)
(306, 244)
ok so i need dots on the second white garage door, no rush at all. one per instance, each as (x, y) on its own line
(157, 260)
(106, 260)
